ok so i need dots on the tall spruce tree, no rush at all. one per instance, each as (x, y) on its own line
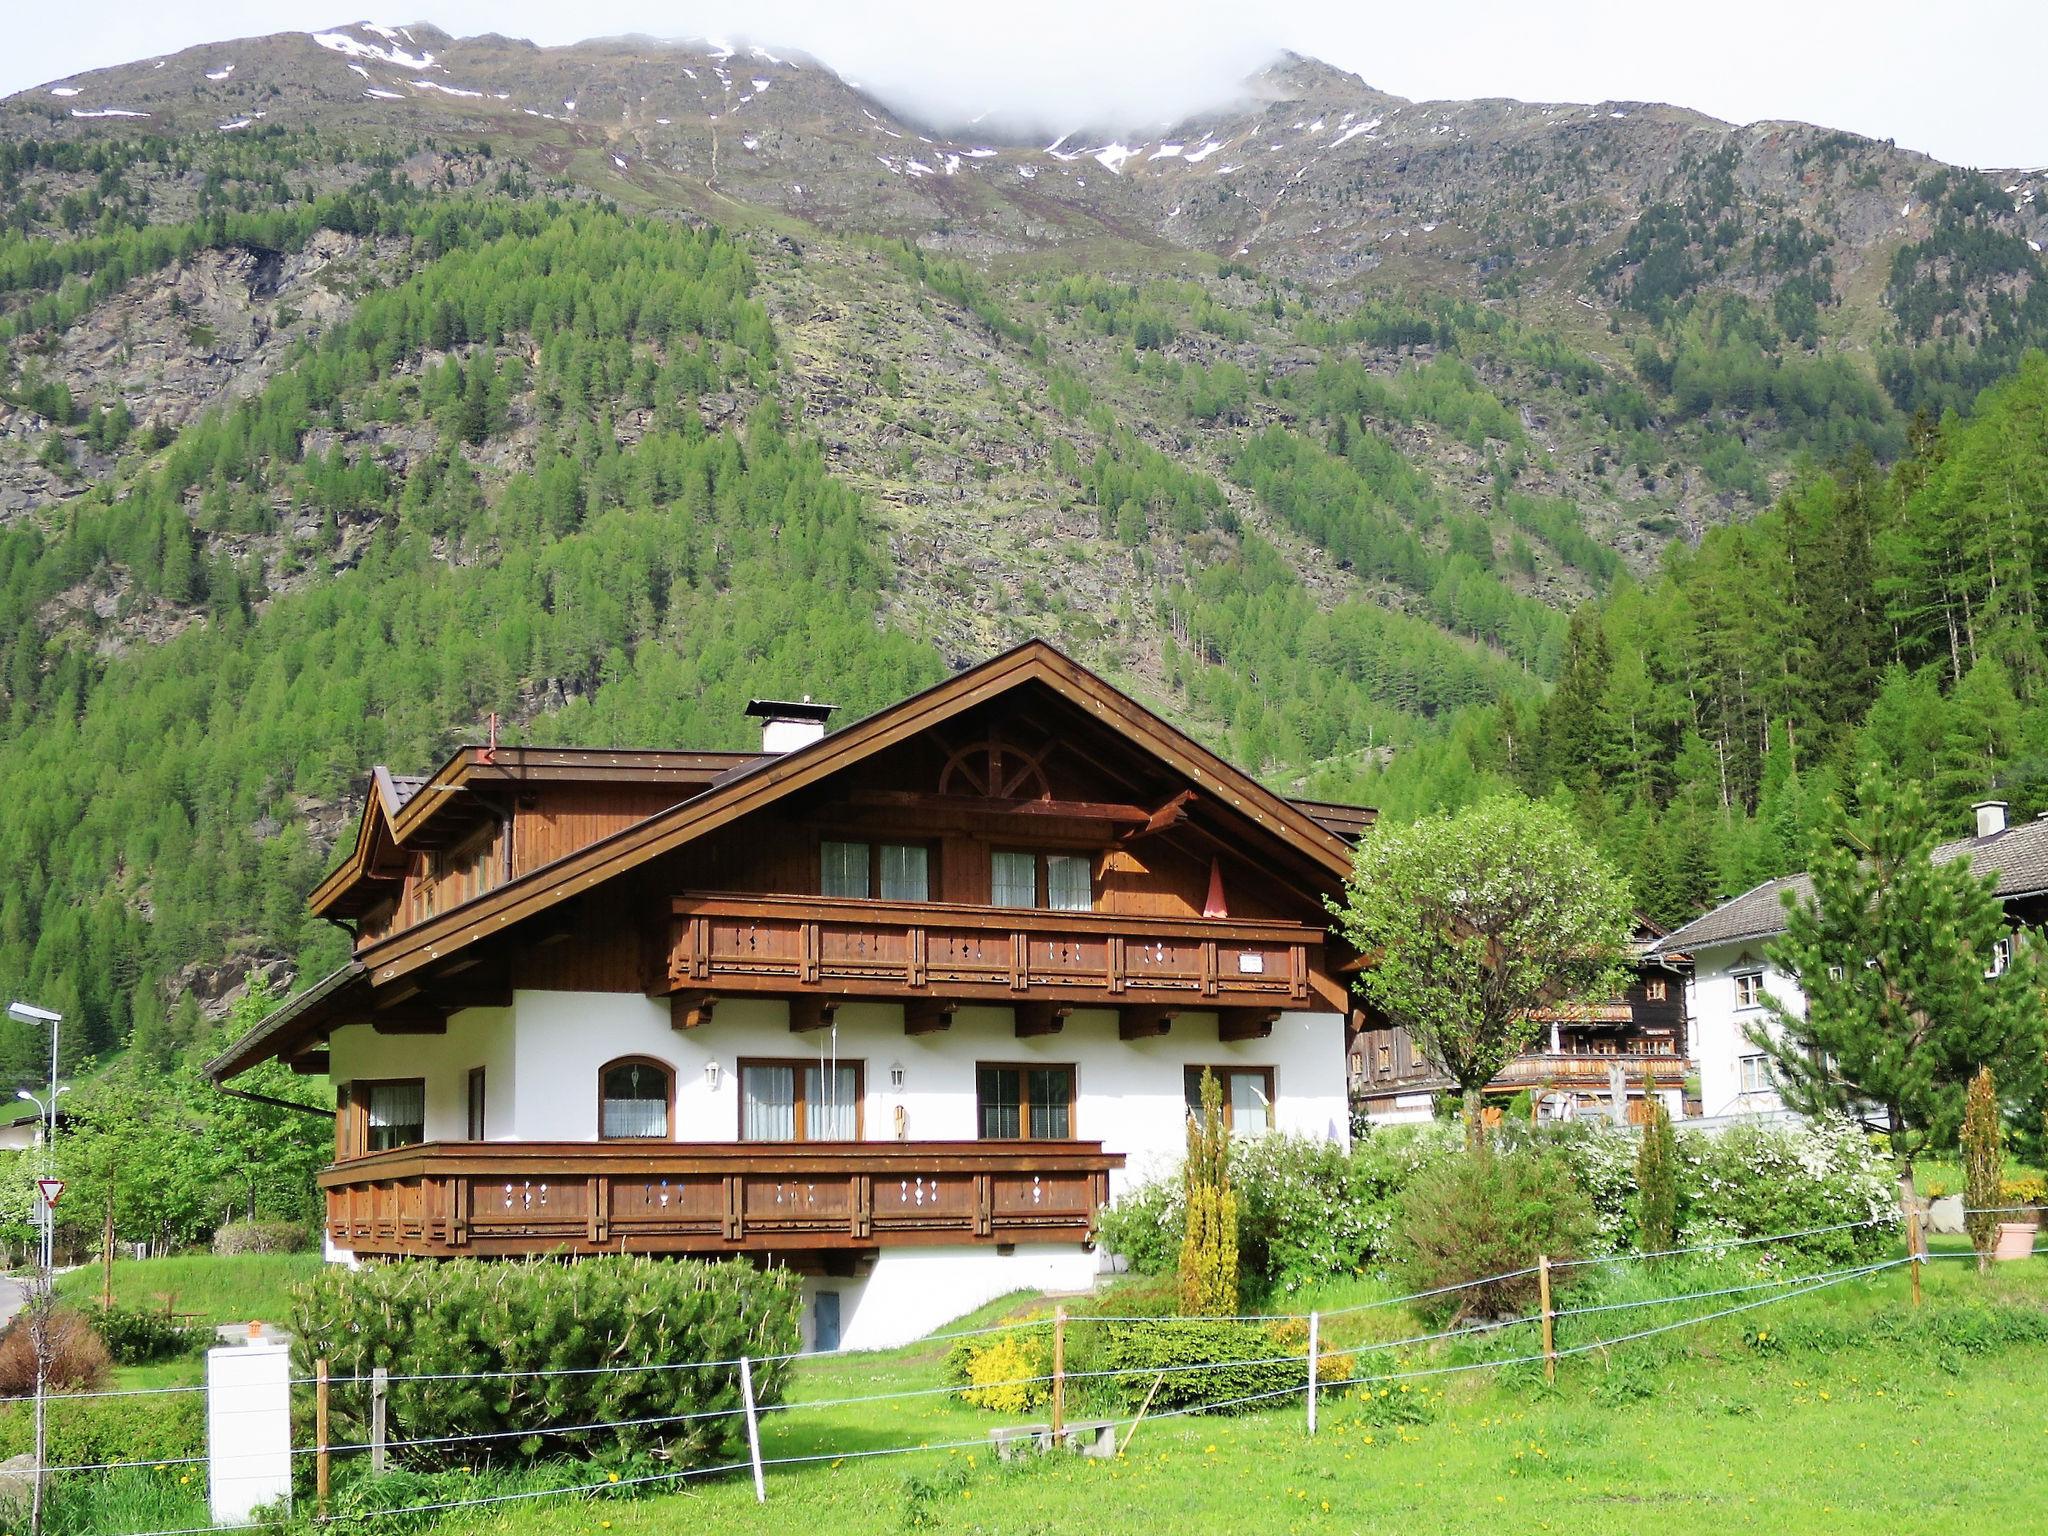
(1893, 955)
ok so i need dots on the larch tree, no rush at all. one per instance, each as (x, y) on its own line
(1911, 978)
(1473, 920)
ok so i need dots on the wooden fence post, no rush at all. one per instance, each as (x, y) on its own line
(1059, 1373)
(1549, 1336)
(1913, 1246)
(1314, 1333)
(320, 1468)
(380, 1387)
(753, 1428)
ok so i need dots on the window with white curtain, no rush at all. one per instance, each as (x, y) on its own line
(397, 1114)
(800, 1101)
(1069, 882)
(832, 1103)
(633, 1101)
(843, 869)
(904, 872)
(767, 1102)
(1013, 879)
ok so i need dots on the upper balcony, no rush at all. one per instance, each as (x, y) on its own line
(824, 948)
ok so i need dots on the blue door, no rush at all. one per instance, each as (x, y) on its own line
(825, 1322)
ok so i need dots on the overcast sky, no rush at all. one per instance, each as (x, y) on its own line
(1961, 80)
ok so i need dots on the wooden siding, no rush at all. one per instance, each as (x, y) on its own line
(513, 1198)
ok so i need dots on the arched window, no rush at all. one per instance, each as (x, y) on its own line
(633, 1099)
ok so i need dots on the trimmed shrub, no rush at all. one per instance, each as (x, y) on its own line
(260, 1237)
(138, 1336)
(78, 1360)
(90, 1431)
(1489, 1214)
(1209, 1362)
(466, 1318)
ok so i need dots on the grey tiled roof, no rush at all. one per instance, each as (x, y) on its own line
(406, 785)
(2016, 857)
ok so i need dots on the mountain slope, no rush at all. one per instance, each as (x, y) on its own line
(385, 380)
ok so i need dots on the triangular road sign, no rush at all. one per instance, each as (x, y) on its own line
(52, 1190)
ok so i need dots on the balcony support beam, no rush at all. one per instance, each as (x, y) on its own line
(928, 1015)
(807, 1013)
(1144, 1021)
(689, 1010)
(1245, 1023)
(1041, 1018)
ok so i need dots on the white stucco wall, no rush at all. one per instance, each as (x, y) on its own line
(1718, 1026)
(541, 1059)
(912, 1291)
(476, 1037)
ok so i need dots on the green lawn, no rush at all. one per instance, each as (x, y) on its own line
(1850, 1414)
(212, 1290)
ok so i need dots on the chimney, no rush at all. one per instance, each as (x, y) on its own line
(786, 726)
(1990, 817)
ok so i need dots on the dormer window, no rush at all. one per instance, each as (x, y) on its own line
(1062, 882)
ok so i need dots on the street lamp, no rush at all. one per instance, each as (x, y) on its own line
(39, 1314)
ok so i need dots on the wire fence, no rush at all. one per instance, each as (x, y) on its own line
(1765, 1292)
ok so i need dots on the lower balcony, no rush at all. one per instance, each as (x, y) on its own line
(483, 1199)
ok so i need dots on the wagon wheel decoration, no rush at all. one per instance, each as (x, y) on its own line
(999, 769)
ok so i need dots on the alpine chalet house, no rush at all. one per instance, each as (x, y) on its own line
(1733, 974)
(899, 1007)
(1590, 1060)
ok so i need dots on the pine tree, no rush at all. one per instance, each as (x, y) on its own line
(1892, 955)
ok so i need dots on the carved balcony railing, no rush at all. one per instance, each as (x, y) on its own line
(838, 947)
(710, 1198)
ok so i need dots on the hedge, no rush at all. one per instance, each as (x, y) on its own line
(484, 1323)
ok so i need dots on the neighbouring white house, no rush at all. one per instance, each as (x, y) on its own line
(1733, 976)
(899, 1007)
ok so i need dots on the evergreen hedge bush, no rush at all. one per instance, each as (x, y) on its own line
(603, 1320)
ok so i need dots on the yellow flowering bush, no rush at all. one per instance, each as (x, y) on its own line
(999, 1374)
(2028, 1189)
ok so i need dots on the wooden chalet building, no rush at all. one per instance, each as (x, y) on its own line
(1633, 1044)
(898, 1006)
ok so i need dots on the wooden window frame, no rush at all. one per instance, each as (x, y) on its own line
(874, 846)
(1073, 1072)
(802, 1105)
(359, 1113)
(474, 1103)
(1191, 1077)
(1657, 990)
(1041, 878)
(1756, 1001)
(669, 1113)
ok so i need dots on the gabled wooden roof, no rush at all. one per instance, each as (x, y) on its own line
(1319, 852)
(429, 810)
(761, 782)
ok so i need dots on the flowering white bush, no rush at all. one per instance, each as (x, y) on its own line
(1755, 1180)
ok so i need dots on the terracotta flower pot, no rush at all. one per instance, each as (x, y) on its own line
(2016, 1238)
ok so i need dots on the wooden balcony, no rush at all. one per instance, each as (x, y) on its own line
(447, 1199)
(824, 947)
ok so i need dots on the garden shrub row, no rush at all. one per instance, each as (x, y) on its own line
(1309, 1210)
(484, 1325)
